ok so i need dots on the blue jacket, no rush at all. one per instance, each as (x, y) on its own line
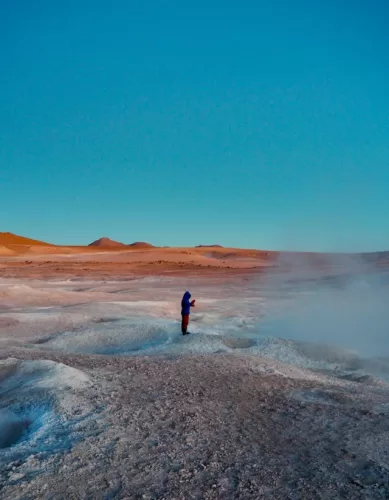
(186, 303)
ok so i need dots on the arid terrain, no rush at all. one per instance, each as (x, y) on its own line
(20, 257)
(103, 258)
(281, 390)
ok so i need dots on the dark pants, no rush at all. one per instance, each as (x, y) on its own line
(184, 323)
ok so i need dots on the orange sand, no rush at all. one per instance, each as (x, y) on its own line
(26, 258)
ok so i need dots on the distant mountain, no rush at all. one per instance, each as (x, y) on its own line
(141, 244)
(106, 242)
(209, 246)
(14, 239)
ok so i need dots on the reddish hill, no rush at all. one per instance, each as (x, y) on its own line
(106, 242)
(141, 244)
(14, 239)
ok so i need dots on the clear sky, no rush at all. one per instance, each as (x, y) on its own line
(246, 123)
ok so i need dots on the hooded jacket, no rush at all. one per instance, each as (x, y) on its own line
(186, 303)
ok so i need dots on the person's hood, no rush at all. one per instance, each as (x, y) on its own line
(187, 295)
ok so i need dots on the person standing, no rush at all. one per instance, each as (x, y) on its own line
(186, 304)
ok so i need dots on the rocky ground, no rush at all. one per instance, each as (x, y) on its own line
(210, 427)
(214, 426)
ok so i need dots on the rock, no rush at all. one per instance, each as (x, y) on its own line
(15, 476)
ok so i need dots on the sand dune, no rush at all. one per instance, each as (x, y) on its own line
(14, 239)
(6, 251)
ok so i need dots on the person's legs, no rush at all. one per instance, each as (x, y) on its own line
(185, 323)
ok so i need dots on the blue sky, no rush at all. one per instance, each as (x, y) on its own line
(253, 124)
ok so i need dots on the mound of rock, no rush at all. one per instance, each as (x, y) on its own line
(106, 242)
(141, 244)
